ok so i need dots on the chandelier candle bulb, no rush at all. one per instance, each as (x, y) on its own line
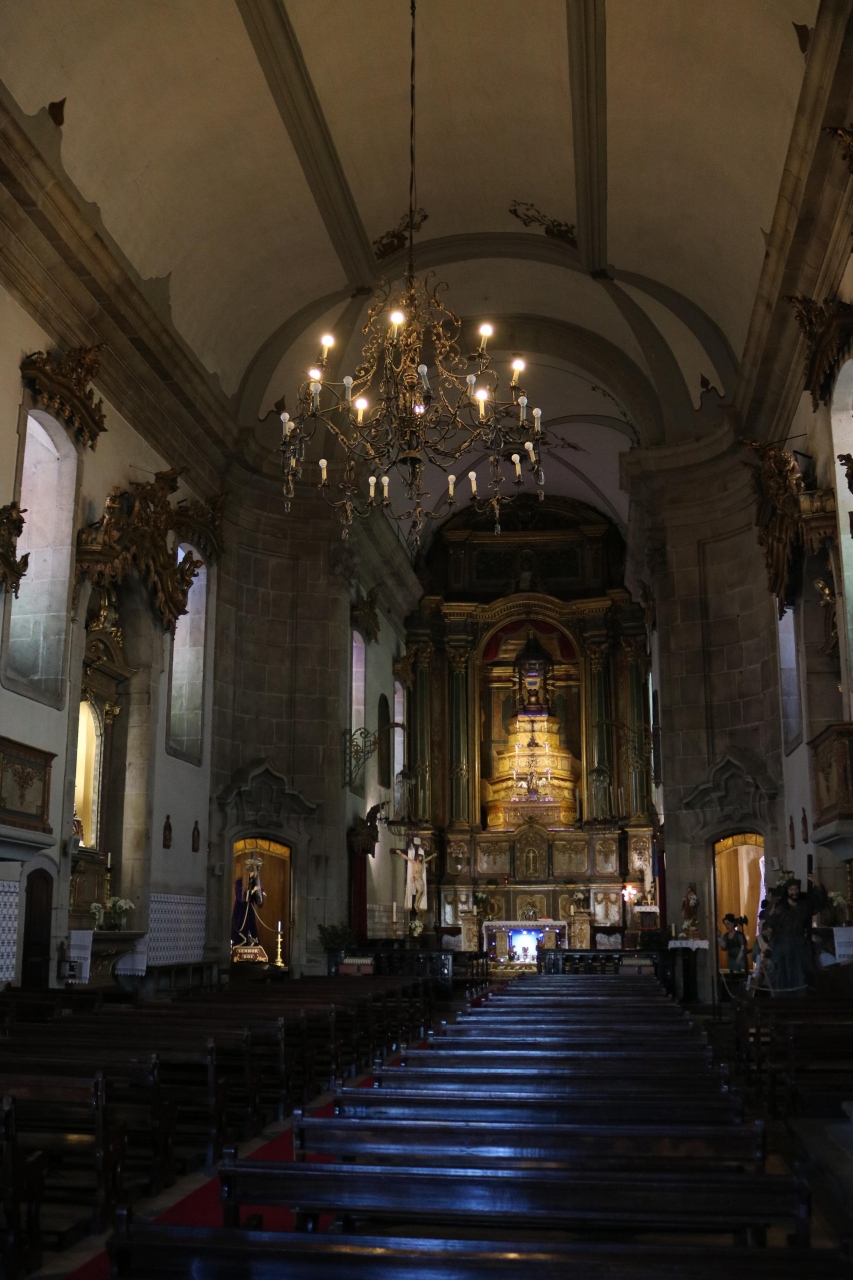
(486, 332)
(323, 465)
(315, 374)
(537, 421)
(384, 488)
(482, 395)
(361, 405)
(348, 389)
(286, 425)
(530, 450)
(517, 368)
(397, 318)
(315, 392)
(422, 370)
(327, 341)
(472, 476)
(471, 379)
(451, 481)
(522, 408)
(372, 482)
(517, 460)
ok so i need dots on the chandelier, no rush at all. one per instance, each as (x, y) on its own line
(414, 399)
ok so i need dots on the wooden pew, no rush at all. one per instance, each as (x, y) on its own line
(145, 1251)
(613, 1077)
(22, 1176)
(641, 1147)
(66, 1118)
(730, 1204)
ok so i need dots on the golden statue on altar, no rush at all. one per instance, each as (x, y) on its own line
(535, 776)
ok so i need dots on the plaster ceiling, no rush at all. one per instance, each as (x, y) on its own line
(249, 151)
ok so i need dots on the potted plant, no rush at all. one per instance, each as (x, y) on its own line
(336, 940)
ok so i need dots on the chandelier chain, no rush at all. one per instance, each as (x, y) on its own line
(413, 190)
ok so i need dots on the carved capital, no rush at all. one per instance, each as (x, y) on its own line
(636, 651)
(136, 531)
(423, 654)
(12, 569)
(61, 385)
(458, 660)
(597, 651)
(404, 668)
(364, 616)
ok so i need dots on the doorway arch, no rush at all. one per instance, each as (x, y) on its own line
(38, 911)
(275, 878)
(739, 883)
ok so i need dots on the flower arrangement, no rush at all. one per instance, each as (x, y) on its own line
(416, 927)
(113, 913)
(837, 907)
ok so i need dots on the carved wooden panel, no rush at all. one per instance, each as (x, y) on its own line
(607, 906)
(496, 906)
(457, 858)
(25, 786)
(530, 906)
(493, 858)
(580, 932)
(531, 854)
(571, 857)
(606, 857)
(639, 854)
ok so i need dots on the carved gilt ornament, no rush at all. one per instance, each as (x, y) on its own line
(60, 384)
(140, 529)
(828, 330)
(364, 615)
(12, 569)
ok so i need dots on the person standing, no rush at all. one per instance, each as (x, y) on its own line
(791, 945)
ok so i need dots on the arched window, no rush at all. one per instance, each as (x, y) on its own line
(399, 718)
(38, 615)
(186, 683)
(383, 742)
(359, 672)
(789, 672)
(87, 775)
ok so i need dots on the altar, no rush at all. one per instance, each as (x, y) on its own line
(513, 944)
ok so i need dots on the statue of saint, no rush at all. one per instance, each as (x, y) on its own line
(248, 894)
(416, 874)
(690, 913)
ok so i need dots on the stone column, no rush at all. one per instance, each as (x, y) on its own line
(420, 733)
(639, 731)
(600, 774)
(457, 659)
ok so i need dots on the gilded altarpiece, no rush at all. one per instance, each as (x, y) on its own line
(529, 735)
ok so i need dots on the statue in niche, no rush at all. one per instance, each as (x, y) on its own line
(167, 832)
(416, 874)
(690, 913)
(248, 895)
(196, 837)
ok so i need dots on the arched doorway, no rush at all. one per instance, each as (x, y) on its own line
(35, 963)
(275, 883)
(739, 883)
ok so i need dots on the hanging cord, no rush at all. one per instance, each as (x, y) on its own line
(412, 180)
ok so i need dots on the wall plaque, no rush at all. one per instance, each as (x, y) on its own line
(25, 786)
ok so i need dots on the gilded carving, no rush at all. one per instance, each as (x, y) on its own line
(493, 859)
(530, 906)
(364, 615)
(828, 329)
(12, 569)
(531, 854)
(606, 857)
(571, 857)
(136, 531)
(404, 668)
(778, 484)
(597, 652)
(458, 660)
(61, 385)
(457, 857)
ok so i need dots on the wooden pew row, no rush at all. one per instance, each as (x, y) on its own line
(152, 1252)
(65, 1118)
(541, 1199)
(666, 1079)
(639, 1147)
(694, 1058)
(809, 1067)
(22, 1177)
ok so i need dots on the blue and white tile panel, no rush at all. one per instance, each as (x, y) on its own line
(9, 890)
(176, 928)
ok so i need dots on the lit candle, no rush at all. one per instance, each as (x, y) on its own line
(472, 476)
(517, 460)
(517, 368)
(397, 318)
(451, 481)
(482, 395)
(422, 370)
(537, 420)
(522, 408)
(315, 392)
(371, 480)
(327, 341)
(361, 405)
(279, 926)
(315, 374)
(348, 389)
(486, 332)
(323, 465)
(384, 488)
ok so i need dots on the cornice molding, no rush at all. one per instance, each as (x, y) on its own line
(62, 270)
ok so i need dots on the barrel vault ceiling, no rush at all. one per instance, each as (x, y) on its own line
(244, 156)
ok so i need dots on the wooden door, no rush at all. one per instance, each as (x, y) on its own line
(35, 965)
